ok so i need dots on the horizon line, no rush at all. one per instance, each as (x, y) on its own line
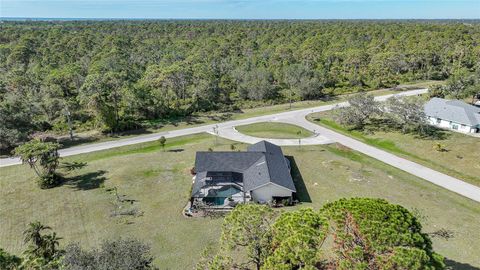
(236, 19)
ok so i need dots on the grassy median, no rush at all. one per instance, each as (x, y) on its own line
(274, 131)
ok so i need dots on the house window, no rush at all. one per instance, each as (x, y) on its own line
(455, 127)
(439, 120)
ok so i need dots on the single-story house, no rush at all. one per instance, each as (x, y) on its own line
(224, 179)
(453, 114)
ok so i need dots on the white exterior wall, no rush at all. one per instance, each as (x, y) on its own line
(450, 125)
(265, 193)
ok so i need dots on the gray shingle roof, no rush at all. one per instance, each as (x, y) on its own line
(453, 110)
(225, 161)
(263, 163)
(277, 165)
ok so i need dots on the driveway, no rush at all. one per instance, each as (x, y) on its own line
(297, 117)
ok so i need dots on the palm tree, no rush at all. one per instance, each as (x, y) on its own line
(50, 244)
(34, 234)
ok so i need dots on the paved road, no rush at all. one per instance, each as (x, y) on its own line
(234, 134)
(194, 130)
(435, 177)
(297, 117)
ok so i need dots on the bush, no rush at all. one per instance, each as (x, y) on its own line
(49, 180)
(8, 261)
(120, 254)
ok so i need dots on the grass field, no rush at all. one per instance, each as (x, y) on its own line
(80, 210)
(215, 117)
(274, 130)
(461, 158)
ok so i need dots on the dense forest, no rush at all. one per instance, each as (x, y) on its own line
(112, 75)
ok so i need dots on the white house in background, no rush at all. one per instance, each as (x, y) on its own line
(453, 114)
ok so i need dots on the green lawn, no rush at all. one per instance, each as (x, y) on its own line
(274, 131)
(80, 210)
(215, 117)
(461, 160)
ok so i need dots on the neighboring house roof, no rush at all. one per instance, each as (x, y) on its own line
(261, 164)
(453, 110)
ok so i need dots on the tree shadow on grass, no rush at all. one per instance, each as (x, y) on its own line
(221, 117)
(302, 194)
(87, 181)
(451, 264)
(178, 150)
(427, 132)
(434, 133)
(71, 166)
(174, 121)
(66, 142)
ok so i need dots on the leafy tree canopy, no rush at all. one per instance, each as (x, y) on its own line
(121, 254)
(42, 157)
(364, 233)
(114, 76)
(375, 233)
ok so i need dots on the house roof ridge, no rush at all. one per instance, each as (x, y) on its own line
(453, 110)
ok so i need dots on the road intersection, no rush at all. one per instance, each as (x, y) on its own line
(296, 117)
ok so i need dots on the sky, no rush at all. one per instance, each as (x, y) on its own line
(243, 9)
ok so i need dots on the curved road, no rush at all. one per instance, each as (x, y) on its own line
(297, 117)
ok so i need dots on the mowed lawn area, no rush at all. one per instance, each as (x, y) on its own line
(159, 183)
(460, 158)
(274, 130)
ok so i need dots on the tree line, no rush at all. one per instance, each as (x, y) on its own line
(115, 75)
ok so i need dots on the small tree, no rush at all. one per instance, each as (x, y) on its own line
(439, 147)
(407, 113)
(43, 158)
(232, 147)
(247, 228)
(162, 142)
(362, 108)
(297, 238)
(437, 91)
(42, 248)
(33, 235)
